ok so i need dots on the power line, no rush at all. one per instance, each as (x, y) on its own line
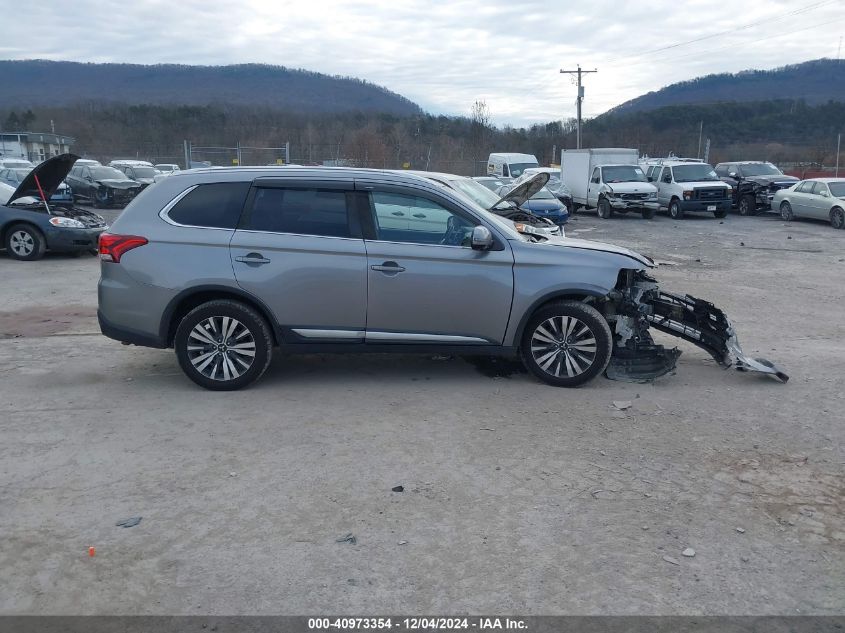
(734, 46)
(766, 21)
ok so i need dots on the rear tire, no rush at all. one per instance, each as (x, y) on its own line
(837, 218)
(747, 205)
(569, 338)
(223, 345)
(26, 243)
(605, 210)
(675, 210)
(648, 214)
(786, 211)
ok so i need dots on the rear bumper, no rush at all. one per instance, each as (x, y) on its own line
(127, 335)
(706, 205)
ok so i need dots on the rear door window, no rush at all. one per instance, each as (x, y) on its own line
(215, 205)
(300, 211)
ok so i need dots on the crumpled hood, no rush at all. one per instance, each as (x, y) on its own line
(786, 181)
(49, 175)
(114, 183)
(599, 246)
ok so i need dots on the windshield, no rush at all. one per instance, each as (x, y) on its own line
(21, 172)
(694, 172)
(516, 169)
(107, 173)
(837, 189)
(760, 169)
(623, 173)
(476, 192)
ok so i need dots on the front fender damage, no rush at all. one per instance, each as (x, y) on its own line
(637, 304)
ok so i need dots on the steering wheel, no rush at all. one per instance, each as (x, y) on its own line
(455, 233)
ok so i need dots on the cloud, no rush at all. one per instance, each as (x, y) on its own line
(446, 55)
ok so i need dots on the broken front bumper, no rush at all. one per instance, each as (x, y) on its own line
(641, 304)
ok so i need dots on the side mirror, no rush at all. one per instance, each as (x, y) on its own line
(482, 239)
(733, 174)
(824, 194)
(650, 179)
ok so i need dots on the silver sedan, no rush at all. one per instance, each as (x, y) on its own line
(817, 198)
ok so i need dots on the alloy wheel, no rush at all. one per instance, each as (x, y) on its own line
(563, 343)
(221, 348)
(22, 243)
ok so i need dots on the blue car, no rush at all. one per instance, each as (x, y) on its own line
(544, 204)
(14, 176)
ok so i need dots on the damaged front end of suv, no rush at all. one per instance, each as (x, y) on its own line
(637, 304)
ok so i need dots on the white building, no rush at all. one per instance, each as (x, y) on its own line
(34, 146)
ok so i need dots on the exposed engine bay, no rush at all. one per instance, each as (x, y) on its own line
(637, 303)
(88, 219)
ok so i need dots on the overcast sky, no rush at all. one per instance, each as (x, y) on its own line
(444, 55)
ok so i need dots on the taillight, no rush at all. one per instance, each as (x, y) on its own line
(112, 247)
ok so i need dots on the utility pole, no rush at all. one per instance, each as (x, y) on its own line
(838, 145)
(580, 98)
(700, 132)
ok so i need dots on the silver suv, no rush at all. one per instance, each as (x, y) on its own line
(225, 265)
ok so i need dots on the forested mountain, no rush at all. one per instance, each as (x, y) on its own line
(816, 82)
(781, 130)
(39, 83)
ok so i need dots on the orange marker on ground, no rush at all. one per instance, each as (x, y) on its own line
(92, 551)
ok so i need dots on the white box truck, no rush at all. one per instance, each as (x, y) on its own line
(609, 180)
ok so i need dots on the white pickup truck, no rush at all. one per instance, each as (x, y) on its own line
(609, 180)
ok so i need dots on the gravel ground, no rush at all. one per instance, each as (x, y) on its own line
(518, 497)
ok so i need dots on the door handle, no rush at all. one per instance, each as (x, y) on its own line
(253, 258)
(389, 268)
(397, 213)
(419, 215)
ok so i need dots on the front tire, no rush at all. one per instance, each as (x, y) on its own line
(648, 214)
(566, 344)
(223, 345)
(837, 218)
(747, 205)
(25, 243)
(675, 210)
(605, 210)
(786, 211)
(722, 213)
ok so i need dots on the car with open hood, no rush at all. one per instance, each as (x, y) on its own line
(226, 265)
(510, 204)
(754, 183)
(30, 225)
(102, 186)
(816, 198)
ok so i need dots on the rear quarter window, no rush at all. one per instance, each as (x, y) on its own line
(216, 205)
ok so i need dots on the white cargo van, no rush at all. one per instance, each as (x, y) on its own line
(510, 165)
(608, 179)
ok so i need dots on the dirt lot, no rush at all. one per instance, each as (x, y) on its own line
(518, 498)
